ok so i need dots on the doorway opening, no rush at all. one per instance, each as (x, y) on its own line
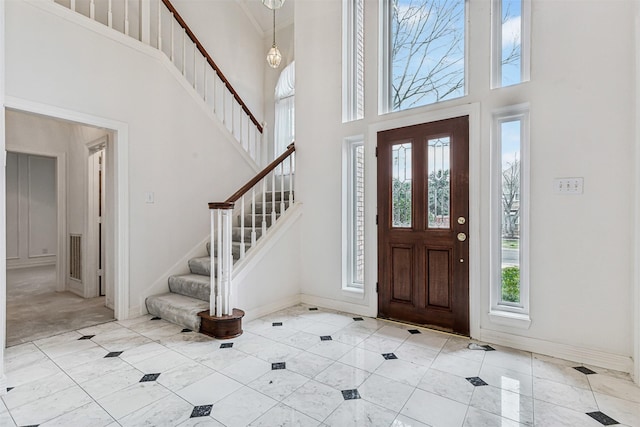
(48, 236)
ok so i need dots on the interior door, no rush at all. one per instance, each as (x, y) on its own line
(423, 213)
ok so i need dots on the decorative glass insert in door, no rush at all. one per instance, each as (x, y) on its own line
(439, 182)
(401, 185)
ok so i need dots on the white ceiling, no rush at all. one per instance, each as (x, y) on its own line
(263, 17)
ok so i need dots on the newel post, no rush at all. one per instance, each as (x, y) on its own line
(221, 320)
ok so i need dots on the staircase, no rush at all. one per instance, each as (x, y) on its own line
(190, 293)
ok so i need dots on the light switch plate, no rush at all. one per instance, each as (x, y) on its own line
(568, 186)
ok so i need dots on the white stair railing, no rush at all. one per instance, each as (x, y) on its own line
(224, 213)
(161, 27)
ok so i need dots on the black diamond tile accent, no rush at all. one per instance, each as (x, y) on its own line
(226, 345)
(414, 331)
(476, 381)
(278, 365)
(9, 389)
(276, 324)
(113, 354)
(32, 425)
(389, 356)
(155, 318)
(149, 377)
(201, 411)
(186, 330)
(326, 338)
(602, 418)
(358, 319)
(313, 308)
(350, 394)
(584, 370)
(86, 337)
(487, 347)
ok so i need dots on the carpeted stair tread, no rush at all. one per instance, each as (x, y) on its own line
(178, 309)
(201, 266)
(191, 285)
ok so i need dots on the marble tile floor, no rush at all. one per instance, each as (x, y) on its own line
(302, 366)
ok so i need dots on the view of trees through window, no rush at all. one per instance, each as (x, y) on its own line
(427, 52)
(510, 141)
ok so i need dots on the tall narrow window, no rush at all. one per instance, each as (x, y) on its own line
(423, 51)
(510, 211)
(510, 31)
(353, 60)
(353, 214)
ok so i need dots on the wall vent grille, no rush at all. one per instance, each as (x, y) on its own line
(75, 256)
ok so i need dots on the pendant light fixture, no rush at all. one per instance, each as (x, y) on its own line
(273, 4)
(273, 56)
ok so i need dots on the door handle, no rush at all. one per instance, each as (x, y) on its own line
(462, 237)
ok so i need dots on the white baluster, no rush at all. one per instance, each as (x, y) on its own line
(92, 9)
(233, 110)
(242, 244)
(126, 17)
(273, 196)
(224, 107)
(173, 41)
(110, 14)
(290, 179)
(218, 244)
(213, 90)
(145, 21)
(228, 260)
(195, 75)
(212, 266)
(205, 71)
(160, 25)
(264, 206)
(72, 5)
(282, 188)
(253, 216)
(184, 51)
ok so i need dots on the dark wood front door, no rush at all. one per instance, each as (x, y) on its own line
(423, 224)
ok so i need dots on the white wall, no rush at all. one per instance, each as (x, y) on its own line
(582, 124)
(176, 149)
(32, 234)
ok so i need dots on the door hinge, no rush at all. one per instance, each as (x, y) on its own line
(377, 287)
(376, 219)
(376, 151)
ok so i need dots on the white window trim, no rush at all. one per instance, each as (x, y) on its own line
(348, 215)
(496, 43)
(349, 62)
(503, 314)
(384, 63)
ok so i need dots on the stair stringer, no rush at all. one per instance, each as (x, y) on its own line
(99, 28)
(256, 289)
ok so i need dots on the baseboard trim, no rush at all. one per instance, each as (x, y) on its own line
(31, 263)
(332, 304)
(559, 350)
(3, 385)
(265, 309)
(136, 311)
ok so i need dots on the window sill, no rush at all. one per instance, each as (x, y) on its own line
(507, 318)
(353, 292)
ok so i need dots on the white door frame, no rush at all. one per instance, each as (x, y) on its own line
(119, 153)
(61, 209)
(91, 286)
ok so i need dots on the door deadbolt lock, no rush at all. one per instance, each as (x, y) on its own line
(461, 220)
(462, 237)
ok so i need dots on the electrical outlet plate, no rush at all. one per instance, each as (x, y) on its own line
(568, 186)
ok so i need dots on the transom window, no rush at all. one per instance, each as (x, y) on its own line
(423, 51)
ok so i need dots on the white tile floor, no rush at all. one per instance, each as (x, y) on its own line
(369, 373)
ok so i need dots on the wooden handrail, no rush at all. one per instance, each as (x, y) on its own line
(230, 202)
(213, 65)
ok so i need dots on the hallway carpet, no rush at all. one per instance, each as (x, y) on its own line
(35, 310)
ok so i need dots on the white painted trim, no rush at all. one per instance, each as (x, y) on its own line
(274, 233)
(348, 215)
(3, 220)
(561, 351)
(130, 42)
(636, 223)
(91, 239)
(121, 189)
(61, 209)
(30, 263)
(510, 319)
(371, 176)
(333, 304)
(265, 309)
